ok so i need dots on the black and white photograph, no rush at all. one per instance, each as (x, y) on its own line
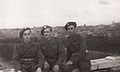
(59, 35)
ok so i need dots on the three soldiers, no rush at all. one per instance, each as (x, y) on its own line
(50, 54)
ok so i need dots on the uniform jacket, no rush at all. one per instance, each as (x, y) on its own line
(53, 49)
(76, 49)
(30, 51)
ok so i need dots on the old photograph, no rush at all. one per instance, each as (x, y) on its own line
(59, 35)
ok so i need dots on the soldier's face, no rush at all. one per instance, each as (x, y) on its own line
(71, 28)
(47, 32)
(27, 35)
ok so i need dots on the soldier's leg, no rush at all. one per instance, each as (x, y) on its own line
(76, 70)
(60, 71)
(24, 70)
(34, 70)
(84, 66)
(52, 65)
(68, 68)
(45, 70)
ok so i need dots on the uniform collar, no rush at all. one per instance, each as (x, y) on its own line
(23, 43)
(48, 38)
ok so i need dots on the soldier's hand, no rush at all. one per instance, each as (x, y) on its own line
(39, 69)
(68, 63)
(55, 68)
(19, 71)
(46, 66)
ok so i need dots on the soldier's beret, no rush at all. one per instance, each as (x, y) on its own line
(45, 27)
(23, 30)
(70, 23)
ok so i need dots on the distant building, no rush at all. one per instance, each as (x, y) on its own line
(115, 24)
(85, 25)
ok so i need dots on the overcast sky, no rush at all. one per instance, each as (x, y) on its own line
(29, 13)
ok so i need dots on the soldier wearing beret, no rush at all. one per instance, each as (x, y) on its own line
(53, 50)
(76, 52)
(27, 55)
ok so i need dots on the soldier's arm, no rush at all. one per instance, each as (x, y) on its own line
(16, 58)
(62, 53)
(82, 50)
(81, 54)
(40, 57)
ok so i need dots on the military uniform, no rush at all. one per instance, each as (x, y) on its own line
(53, 51)
(28, 57)
(76, 52)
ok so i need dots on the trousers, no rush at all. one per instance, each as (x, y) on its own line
(83, 66)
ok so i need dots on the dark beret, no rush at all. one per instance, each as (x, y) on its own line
(45, 27)
(23, 30)
(70, 23)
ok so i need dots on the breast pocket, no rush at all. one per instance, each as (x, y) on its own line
(21, 51)
(32, 51)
